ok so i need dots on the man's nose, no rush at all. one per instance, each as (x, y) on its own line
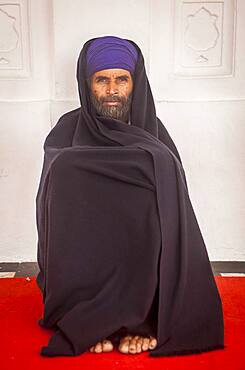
(112, 88)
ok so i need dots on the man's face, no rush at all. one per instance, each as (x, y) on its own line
(111, 93)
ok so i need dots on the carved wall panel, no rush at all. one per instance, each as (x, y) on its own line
(14, 40)
(197, 50)
(204, 38)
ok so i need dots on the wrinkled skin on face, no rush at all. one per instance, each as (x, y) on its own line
(111, 93)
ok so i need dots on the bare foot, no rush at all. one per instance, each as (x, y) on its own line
(104, 346)
(136, 344)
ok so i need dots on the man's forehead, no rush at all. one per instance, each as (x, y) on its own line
(112, 72)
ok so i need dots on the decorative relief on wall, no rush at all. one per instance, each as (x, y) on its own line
(204, 38)
(4, 61)
(193, 52)
(201, 33)
(9, 35)
(14, 41)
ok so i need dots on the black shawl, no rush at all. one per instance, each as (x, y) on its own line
(118, 239)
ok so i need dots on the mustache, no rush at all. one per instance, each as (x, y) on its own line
(113, 99)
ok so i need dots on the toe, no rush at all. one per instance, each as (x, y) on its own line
(98, 347)
(92, 349)
(139, 345)
(123, 346)
(153, 343)
(107, 346)
(145, 345)
(132, 346)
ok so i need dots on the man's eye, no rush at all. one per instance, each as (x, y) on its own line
(104, 79)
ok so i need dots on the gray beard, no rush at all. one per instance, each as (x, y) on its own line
(120, 112)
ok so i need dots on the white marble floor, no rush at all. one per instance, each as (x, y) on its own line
(8, 274)
(240, 274)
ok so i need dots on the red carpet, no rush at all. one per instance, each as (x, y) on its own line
(22, 337)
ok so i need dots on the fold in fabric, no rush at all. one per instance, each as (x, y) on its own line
(119, 246)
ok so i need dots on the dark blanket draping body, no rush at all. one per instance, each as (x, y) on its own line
(119, 246)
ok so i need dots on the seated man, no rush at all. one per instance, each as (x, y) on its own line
(111, 95)
(120, 253)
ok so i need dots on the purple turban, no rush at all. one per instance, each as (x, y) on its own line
(111, 52)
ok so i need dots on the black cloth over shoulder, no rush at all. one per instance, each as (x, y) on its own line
(119, 246)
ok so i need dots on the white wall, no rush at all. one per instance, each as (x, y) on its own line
(25, 83)
(200, 99)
